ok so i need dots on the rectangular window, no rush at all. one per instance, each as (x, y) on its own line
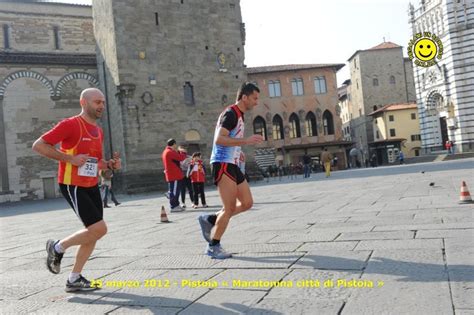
(392, 133)
(391, 118)
(320, 85)
(57, 44)
(188, 94)
(6, 36)
(274, 88)
(377, 136)
(415, 137)
(413, 116)
(157, 21)
(276, 130)
(297, 86)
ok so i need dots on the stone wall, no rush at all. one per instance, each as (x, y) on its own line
(152, 53)
(31, 27)
(29, 109)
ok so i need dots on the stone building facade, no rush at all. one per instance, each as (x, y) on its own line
(168, 68)
(345, 106)
(445, 94)
(379, 76)
(298, 112)
(47, 56)
(396, 129)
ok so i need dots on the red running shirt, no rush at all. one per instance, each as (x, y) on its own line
(76, 136)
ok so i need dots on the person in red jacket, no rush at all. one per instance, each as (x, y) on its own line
(197, 174)
(171, 162)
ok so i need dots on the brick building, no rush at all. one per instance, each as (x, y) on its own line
(298, 112)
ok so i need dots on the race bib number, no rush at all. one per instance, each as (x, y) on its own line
(89, 169)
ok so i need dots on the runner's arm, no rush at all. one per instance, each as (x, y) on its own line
(224, 139)
(48, 150)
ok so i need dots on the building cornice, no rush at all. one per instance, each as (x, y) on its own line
(72, 59)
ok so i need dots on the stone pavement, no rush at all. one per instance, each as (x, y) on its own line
(365, 241)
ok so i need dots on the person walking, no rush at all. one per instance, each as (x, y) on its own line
(106, 187)
(172, 157)
(326, 158)
(307, 165)
(80, 159)
(401, 157)
(231, 184)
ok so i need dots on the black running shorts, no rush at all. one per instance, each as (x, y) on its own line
(86, 202)
(231, 170)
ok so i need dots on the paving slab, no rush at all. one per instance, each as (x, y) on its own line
(414, 282)
(321, 246)
(265, 260)
(333, 260)
(392, 235)
(401, 244)
(222, 301)
(276, 306)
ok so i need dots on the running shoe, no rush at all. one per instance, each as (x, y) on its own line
(206, 226)
(81, 284)
(217, 252)
(53, 260)
(177, 209)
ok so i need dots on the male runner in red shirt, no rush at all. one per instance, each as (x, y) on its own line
(80, 159)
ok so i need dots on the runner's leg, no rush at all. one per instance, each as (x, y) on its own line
(228, 192)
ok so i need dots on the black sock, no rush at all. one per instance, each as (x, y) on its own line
(214, 242)
(212, 219)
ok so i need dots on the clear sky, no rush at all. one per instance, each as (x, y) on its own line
(318, 31)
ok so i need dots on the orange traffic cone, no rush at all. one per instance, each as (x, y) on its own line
(465, 195)
(164, 217)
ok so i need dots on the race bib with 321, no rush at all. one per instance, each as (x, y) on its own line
(89, 169)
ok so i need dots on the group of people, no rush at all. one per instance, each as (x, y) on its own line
(81, 160)
(183, 172)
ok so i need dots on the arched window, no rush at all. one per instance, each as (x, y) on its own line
(188, 94)
(392, 79)
(328, 123)
(259, 127)
(375, 82)
(295, 131)
(277, 129)
(310, 124)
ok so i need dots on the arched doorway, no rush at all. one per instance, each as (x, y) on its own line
(434, 105)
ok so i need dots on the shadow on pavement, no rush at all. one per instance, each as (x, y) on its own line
(151, 303)
(410, 271)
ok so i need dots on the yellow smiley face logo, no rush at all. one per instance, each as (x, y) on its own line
(425, 49)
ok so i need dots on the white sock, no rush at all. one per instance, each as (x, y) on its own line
(59, 248)
(73, 276)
